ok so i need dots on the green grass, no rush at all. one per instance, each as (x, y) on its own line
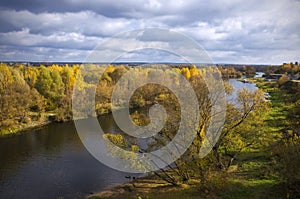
(277, 116)
(248, 189)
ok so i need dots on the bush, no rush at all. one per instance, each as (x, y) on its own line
(287, 161)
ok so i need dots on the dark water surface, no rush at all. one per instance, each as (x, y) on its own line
(52, 163)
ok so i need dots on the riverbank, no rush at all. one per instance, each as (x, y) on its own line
(51, 117)
(248, 180)
(23, 128)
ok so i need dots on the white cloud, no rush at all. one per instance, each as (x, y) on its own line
(85, 22)
(258, 31)
(70, 40)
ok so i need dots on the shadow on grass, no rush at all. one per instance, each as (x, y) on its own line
(253, 189)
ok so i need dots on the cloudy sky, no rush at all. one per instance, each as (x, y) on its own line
(231, 31)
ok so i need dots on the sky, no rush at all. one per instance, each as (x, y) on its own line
(230, 31)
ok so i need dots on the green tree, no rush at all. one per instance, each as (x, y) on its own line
(57, 87)
(241, 130)
(44, 82)
(49, 84)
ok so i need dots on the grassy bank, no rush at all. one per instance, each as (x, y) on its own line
(24, 127)
(250, 180)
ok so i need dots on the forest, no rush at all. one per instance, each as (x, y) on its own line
(258, 148)
(34, 95)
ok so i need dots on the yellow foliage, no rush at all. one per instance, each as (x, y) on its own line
(194, 71)
(56, 67)
(135, 148)
(186, 73)
(5, 74)
(116, 139)
(110, 69)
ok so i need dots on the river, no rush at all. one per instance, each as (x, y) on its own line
(51, 162)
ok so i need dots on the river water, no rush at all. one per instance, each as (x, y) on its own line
(51, 162)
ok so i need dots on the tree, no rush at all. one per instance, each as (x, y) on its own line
(64, 113)
(241, 130)
(44, 82)
(283, 79)
(49, 84)
(286, 154)
(249, 70)
(57, 88)
(186, 72)
(30, 75)
(117, 73)
(15, 98)
(68, 78)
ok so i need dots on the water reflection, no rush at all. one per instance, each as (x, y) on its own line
(52, 162)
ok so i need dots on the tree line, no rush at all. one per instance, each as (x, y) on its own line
(31, 95)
